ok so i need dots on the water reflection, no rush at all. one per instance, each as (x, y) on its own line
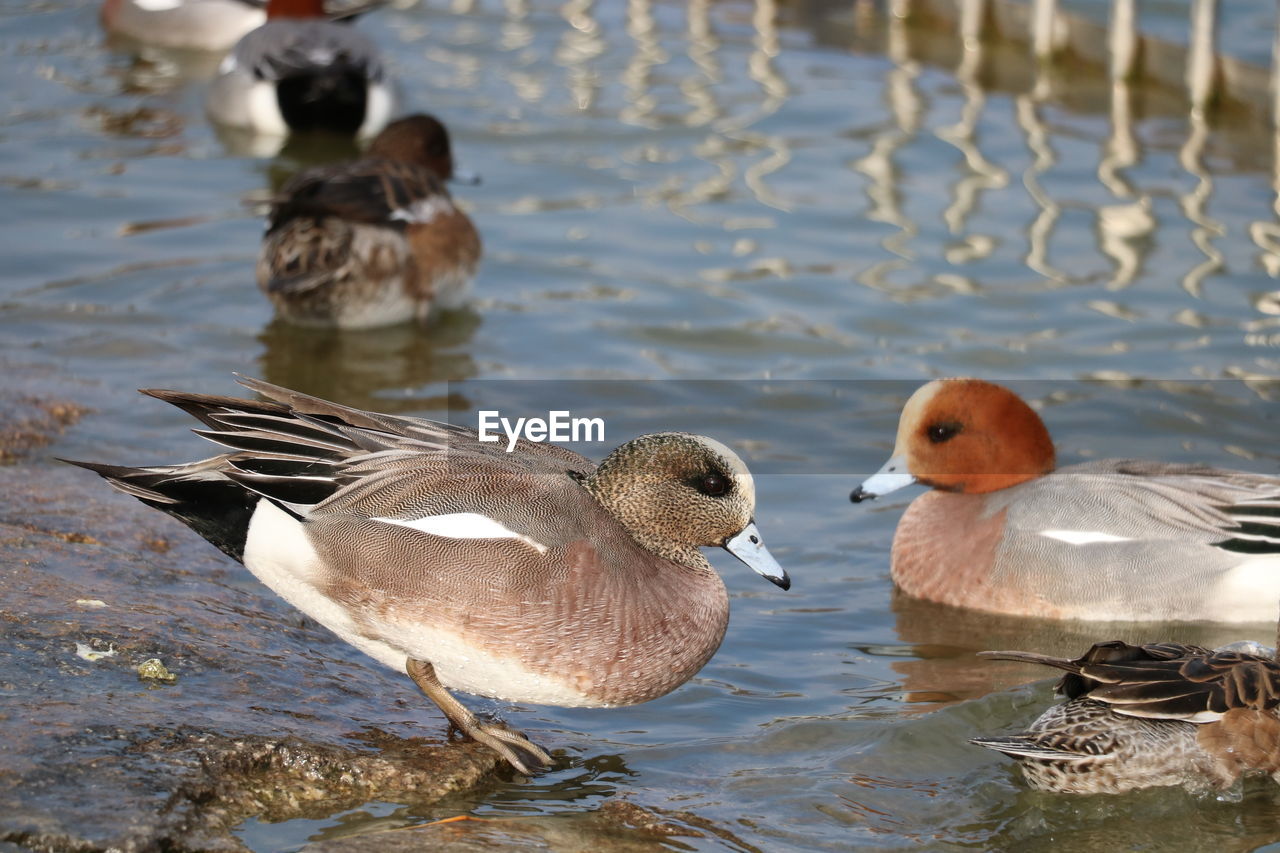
(884, 191)
(698, 88)
(647, 54)
(943, 643)
(385, 370)
(1123, 227)
(155, 70)
(581, 44)
(983, 174)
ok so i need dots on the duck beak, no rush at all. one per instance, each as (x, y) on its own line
(891, 477)
(748, 547)
(464, 176)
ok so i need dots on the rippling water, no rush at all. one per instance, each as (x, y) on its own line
(766, 196)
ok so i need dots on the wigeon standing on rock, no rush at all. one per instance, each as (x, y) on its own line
(1002, 529)
(302, 72)
(373, 242)
(535, 575)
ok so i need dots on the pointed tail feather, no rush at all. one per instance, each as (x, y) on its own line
(1021, 746)
(1032, 657)
(198, 494)
(203, 407)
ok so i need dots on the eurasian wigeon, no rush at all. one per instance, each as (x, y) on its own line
(301, 72)
(373, 242)
(1149, 716)
(534, 575)
(209, 25)
(1002, 529)
(212, 25)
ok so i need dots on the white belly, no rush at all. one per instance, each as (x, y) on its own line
(279, 553)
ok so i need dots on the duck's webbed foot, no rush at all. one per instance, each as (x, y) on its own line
(517, 749)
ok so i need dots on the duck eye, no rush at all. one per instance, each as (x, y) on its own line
(713, 485)
(945, 431)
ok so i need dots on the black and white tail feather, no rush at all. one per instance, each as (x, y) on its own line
(293, 449)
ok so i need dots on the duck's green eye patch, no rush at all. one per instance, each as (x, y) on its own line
(714, 485)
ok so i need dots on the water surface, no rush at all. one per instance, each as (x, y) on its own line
(818, 216)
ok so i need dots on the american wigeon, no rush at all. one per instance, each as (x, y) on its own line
(1004, 530)
(301, 72)
(1149, 716)
(374, 242)
(534, 576)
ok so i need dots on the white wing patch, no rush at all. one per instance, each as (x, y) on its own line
(379, 104)
(263, 108)
(1083, 537)
(423, 210)
(157, 5)
(464, 525)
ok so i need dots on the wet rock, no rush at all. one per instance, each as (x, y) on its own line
(153, 669)
(29, 422)
(270, 715)
(618, 826)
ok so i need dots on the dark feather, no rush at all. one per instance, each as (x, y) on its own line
(1027, 746)
(197, 495)
(1164, 680)
(299, 491)
(367, 191)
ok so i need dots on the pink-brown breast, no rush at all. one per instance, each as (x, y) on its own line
(1244, 740)
(446, 250)
(945, 549)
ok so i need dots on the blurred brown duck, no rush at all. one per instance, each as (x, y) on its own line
(1152, 715)
(373, 242)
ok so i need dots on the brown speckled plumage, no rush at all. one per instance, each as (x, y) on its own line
(374, 241)
(1150, 715)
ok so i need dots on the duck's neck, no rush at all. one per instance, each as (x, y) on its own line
(651, 533)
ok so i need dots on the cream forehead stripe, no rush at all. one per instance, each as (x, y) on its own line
(464, 525)
(737, 467)
(913, 412)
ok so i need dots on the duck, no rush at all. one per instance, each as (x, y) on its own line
(300, 72)
(534, 575)
(1003, 529)
(1155, 715)
(213, 26)
(205, 25)
(374, 242)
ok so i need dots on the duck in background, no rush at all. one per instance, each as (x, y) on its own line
(211, 25)
(1004, 530)
(208, 25)
(534, 575)
(373, 242)
(300, 72)
(1150, 716)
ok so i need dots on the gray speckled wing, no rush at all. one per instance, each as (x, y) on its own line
(1170, 536)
